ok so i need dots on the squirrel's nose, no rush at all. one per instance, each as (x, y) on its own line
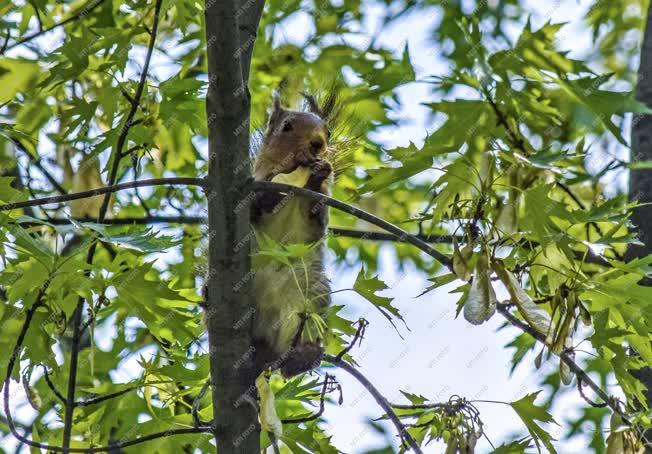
(317, 144)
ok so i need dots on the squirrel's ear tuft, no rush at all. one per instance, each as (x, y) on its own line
(327, 107)
(275, 110)
(313, 105)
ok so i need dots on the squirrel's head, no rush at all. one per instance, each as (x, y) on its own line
(293, 138)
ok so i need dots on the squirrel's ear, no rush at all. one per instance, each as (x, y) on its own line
(312, 104)
(276, 110)
(326, 107)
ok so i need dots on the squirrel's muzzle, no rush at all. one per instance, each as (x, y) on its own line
(317, 145)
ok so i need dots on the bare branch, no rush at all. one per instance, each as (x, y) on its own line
(185, 181)
(357, 212)
(379, 398)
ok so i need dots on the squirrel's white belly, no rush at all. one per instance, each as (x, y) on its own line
(279, 303)
(284, 293)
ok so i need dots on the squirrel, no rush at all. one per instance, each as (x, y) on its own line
(295, 150)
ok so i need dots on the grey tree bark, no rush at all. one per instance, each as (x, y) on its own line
(640, 180)
(230, 305)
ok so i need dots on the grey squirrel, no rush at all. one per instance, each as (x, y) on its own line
(295, 150)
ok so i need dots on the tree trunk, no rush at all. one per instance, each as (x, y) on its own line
(640, 180)
(229, 308)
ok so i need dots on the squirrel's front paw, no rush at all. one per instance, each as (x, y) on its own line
(319, 172)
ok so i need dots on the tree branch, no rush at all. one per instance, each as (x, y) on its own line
(589, 257)
(359, 335)
(99, 399)
(379, 398)
(78, 15)
(357, 212)
(37, 162)
(185, 181)
(565, 357)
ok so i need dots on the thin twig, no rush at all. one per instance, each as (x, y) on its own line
(97, 400)
(36, 160)
(586, 398)
(502, 120)
(322, 401)
(53, 388)
(359, 335)
(187, 181)
(428, 406)
(383, 236)
(380, 399)
(38, 15)
(4, 45)
(195, 404)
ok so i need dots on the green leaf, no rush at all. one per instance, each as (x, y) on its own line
(163, 310)
(395, 73)
(8, 194)
(415, 399)
(530, 413)
(16, 75)
(523, 344)
(413, 161)
(367, 287)
(515, 447)
(141, 238)
(601, 103)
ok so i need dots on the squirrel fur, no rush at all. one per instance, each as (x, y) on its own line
(294, 150)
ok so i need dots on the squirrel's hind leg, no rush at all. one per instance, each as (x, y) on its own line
(302, 358)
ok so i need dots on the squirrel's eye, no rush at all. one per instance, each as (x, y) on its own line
(287, 126)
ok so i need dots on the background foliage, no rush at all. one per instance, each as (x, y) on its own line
(515, 167)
